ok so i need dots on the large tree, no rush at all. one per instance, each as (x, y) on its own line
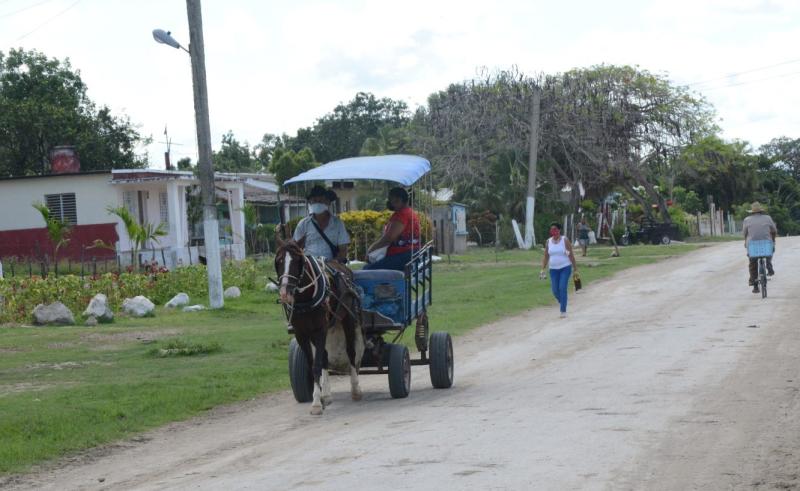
(342, 132)
(287, 163)
(624, 126)
(477, 137)
(786, 152)
(234, 156)
(727, 172)
(43, 103)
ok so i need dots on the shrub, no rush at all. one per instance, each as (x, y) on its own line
(682, 220)
(485, 223)
(22, 294)
(366, 226)
(589, 206)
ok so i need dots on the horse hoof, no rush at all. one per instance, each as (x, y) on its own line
(356, 396)
(327, 401)
(316, 410)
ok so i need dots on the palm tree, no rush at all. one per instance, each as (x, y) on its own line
(57, 229)
(151, 233)
(132, 228)
(139, 234)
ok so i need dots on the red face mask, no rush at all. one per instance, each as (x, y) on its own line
(554, 232)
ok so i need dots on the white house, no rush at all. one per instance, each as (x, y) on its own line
(83, 198)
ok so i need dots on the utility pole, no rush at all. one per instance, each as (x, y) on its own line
(530, 236)
(205, 168)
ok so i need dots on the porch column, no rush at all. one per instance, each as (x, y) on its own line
(177, 217)
(236, 202)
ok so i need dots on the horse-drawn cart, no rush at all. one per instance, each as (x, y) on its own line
(391, 301)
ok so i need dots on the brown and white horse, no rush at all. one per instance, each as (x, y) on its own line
(325, 311)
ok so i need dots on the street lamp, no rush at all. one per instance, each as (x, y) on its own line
(165, 37)
(205, 168)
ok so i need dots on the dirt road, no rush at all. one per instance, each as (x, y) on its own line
(669, 376)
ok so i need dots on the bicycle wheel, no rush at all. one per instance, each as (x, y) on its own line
(762, 276)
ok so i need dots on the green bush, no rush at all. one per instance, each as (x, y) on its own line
(589, 206)
(20, 294)
(618, 231)
(485, 223)
(682, 220)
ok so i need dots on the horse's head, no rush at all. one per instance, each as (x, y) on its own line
(289, 265)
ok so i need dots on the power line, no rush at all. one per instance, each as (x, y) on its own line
(18, 11)
(783, 75)
(76, 2)
(788, 62)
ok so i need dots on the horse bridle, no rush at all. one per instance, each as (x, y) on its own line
(308, 267)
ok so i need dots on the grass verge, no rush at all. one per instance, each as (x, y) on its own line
(65, 389)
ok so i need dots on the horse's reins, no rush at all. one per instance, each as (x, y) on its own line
(317, 273)
(315, 276)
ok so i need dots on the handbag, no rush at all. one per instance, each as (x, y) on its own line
(576, 280)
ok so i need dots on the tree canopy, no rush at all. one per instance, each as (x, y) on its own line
(342, 132)
(234, 156)
(43, 103)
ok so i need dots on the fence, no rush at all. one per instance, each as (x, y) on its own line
(716, 223)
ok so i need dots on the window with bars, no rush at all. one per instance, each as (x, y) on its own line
(163, 205)
(62, 207)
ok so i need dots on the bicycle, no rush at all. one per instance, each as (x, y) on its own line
(761, 249)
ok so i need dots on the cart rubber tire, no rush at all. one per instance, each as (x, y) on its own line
(399, 371)
(299, 374)
(441, 356)
(665, 240)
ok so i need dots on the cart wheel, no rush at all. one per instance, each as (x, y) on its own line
(299, 374)
(665, 240)
(399, 371)
(626, 241)
(441, 366)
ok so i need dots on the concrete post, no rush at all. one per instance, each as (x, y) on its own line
(205, 168)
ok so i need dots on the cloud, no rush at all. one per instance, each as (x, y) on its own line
(276, 66)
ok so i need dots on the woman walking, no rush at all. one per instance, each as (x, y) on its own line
(559, 257)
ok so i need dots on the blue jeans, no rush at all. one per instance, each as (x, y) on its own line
(559, 281)
(397, 262)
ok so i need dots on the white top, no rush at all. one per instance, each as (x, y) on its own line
(559, 256)
(315, 244)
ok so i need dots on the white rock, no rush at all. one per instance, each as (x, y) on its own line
(99, 309)
(178, 300)
(271, 287)
(194, 308)
(53, 313)
(138, 306)
(232, 292)
(91, 321)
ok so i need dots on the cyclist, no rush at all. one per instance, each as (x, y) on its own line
(759, 226)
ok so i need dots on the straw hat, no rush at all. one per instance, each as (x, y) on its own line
(756, 207)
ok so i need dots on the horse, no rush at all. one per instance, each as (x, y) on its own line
(323, 307)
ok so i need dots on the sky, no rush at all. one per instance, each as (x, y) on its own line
(276, 66)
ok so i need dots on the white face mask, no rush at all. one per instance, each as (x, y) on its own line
(317, 208)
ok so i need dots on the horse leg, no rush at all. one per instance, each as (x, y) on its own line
(318, 347)
(327, 398)
(351, 331)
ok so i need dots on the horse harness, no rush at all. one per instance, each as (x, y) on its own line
(318, 271)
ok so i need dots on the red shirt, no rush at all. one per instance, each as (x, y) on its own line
(409, 239)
